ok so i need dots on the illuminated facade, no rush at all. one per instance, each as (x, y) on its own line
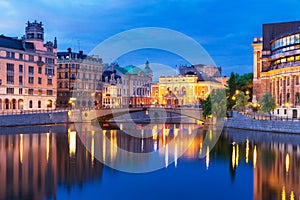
(112, 90)
(185, 89)
(136, 84)
(277, 66)
(79, 80)
(28, 66)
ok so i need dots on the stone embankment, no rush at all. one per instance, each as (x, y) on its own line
(28, 119)
(240, 121)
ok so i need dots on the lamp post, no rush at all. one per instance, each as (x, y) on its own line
(254, 108)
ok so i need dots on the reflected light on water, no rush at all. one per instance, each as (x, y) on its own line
(21, 148)
(47, 146)
(104, 146)
(175, 154)
(237, 155)
(254, 156)
(72, 143)
(283, 194)
(292, 195)
(166, 155)
(233, 156)
(93, 147)
(207, 157)
(287, 163)
(247, 151)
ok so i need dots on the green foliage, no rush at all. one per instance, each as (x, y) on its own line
(242, 101)
(267, 103)
(241, 83)
(215, 104)
(206, 106)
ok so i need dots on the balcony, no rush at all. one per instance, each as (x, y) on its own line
(285, 65)
(40, 63)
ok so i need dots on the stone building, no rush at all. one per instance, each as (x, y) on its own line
(28, 70)
(111, 90)
(186, 89)
(79, 80)
(136, 84)
(277, 66)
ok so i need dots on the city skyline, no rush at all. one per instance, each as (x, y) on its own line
(225, 33)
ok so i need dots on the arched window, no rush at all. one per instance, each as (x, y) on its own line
(39, 104)
(30, 104)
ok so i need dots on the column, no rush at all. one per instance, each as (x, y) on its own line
(283, 90)
(292, 91)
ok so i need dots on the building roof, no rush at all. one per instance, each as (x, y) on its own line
(130, 69)
(276, 30)
(13, 43)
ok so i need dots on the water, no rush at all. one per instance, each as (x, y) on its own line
(52, 162)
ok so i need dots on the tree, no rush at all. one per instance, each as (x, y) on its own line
(267, 103)
(231, 90)
(206, 107)
(214, 104)
(242, 101)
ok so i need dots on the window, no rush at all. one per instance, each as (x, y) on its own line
(20, 56)
(9, 90)
(297, 99)
(49, 81)
(9, 73)
(20, 91)
(288, 97)
(60, 84)
(49, 92)
(40, 92)
(39, 104)
(66, 85)
(30, 91)
(39, 80)
(73, 65)
(60, 66)
(297, 80)
(31, 58)
(66, 66)
(73, 76)
(20, 68)
(40, 70)
(30, 80)
(31, 70)
(13, 55)
(66, 74)
(288, 81)
(7, 54)
(20, 80)
(30, 104)
(284, 111)
(40, 58)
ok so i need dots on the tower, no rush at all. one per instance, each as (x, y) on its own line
(34, 32)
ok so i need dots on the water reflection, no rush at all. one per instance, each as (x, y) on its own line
(34, 164)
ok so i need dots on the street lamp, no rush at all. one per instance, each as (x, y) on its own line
(247, 92)
(237, 92)
(254, 105)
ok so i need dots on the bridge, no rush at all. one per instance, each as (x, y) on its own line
(105, 115)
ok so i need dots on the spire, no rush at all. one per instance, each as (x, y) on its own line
(55, 43)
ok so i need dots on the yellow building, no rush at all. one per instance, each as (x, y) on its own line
(185, 89)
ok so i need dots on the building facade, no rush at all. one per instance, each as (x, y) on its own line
(28, 66)
(185, 89)
(277, 66)
(111, 90)
(136, 84)
(79, 82)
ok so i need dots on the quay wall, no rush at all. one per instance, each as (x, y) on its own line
(28, 119)
(240, 121)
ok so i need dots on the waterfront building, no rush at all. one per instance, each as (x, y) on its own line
(277, 66)
(79, 80)
(136, 84)
(203, 70)
(28, 70)
(111, 90)
(186, 89)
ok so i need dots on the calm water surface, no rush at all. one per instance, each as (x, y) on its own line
(51, 162)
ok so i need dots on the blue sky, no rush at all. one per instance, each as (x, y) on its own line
(224, 28)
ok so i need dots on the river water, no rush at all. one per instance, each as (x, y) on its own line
(63, 162)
